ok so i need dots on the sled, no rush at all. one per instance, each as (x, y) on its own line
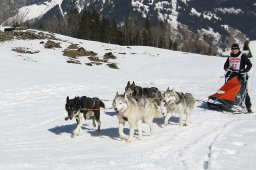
(230, 97)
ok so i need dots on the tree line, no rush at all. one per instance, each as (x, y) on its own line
(90, 25)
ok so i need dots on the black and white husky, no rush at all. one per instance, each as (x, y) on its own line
(178, 102)
(83, 108)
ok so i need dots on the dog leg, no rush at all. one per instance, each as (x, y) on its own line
(99, 123)
(187, 118)
(167, 117)
(138, 124)
(151, 128)
(121, 130)
(132, 129)
(181, 120)
(89, 114)
(78, 131)
(93, 122)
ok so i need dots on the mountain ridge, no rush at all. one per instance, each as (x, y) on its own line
(229, 21)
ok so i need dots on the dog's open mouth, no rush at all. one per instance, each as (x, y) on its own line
(166, 103)
(68, 117)
(120, 112)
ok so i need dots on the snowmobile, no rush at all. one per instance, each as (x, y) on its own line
(231, 96)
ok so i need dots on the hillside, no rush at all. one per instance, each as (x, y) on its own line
(215, 23)
(36, 80)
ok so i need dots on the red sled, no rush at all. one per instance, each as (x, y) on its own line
(230, 97)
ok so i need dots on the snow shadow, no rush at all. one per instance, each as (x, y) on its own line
(111, 113)
(174, 120)
(203, 106)
(159, 121)
(63, 129)
(107, 132)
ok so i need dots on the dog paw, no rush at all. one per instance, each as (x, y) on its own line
(140, 137)
(129, 140)
(124, 137)
(78, 132)
(166, 123)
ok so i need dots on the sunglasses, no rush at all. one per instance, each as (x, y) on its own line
(234, 48)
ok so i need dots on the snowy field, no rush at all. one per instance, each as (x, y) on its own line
(35, 136)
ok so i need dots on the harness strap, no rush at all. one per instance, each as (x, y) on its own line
(83, 109)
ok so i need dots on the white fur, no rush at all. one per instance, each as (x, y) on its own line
(78, 130)
(136, 112)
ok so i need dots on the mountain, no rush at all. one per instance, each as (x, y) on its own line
(227, 20)
(9, 8)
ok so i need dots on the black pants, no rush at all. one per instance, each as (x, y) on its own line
(248, 103)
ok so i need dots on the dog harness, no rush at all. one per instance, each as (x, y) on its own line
(83, 109)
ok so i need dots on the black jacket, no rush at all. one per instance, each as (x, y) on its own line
(245, 64)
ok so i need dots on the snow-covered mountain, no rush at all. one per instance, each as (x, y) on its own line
(226, 20)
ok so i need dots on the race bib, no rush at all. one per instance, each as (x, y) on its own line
(234, 62)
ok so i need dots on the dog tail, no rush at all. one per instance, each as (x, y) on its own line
(102, 104)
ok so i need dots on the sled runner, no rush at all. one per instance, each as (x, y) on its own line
(231, 96)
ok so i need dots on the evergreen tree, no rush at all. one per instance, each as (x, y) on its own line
(146, 34)
(105, 31)
(95, 25)
(84, 26)
(114, 29)
(73, 23)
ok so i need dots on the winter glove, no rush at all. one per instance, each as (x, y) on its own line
(229, 72)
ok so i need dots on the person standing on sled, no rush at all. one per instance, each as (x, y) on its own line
(240, 64)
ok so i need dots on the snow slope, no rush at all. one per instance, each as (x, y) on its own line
(31, 12)
(34, 134)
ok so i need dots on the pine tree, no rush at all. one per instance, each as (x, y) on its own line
(95, 25)
(146, 34)
(84, 26)
(114, 29)
(105, 31)
(73, 23)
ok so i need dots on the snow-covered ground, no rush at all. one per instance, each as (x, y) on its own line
(33, 93)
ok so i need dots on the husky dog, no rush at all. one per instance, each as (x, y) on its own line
(176, 102)
(138, 92)
(134, 111)
(83, 108)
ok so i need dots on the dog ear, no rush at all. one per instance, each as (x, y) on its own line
(116, 94)
(128, 83)
(67, 99)
(76, 99)
(125, 97)
(133, 83)
(168, 89)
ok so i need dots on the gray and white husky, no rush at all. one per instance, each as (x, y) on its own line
(134, 111)
(177, 102)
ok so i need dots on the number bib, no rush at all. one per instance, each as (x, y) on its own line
(234, 62)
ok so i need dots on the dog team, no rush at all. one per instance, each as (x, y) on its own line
(135, 106)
